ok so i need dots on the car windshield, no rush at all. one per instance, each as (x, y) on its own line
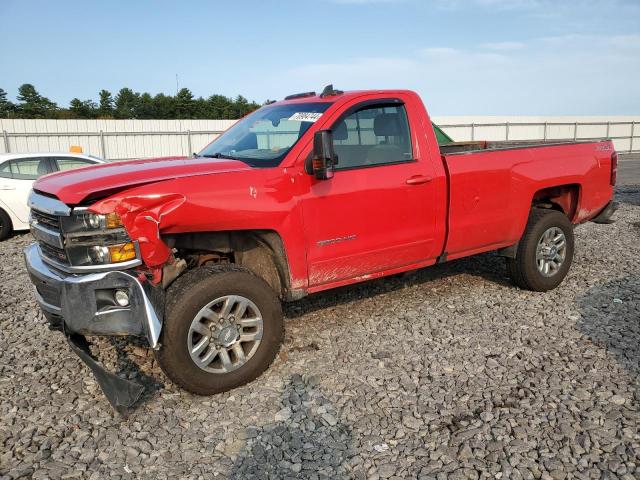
(263, 138)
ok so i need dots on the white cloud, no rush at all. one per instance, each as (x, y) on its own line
(572, 74)
(501, 46)
(577, 41)
(364, 2)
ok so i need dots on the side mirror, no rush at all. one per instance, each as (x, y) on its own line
(323, 158)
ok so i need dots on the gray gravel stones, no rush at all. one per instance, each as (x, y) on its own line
(446, 373)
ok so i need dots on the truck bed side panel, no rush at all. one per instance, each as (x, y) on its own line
(492, 192)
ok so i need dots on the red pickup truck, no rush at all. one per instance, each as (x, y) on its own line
(305, 194)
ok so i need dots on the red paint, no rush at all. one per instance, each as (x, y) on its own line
(454, 204)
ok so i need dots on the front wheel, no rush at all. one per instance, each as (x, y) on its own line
(545, 251)
(223, 327)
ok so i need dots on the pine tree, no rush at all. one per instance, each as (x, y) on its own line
(83, 108)
(106, 104)
(6, 107)
(34, 105)
(184, 104)
(126, 103)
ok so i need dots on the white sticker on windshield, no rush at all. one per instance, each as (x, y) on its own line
(305, 116)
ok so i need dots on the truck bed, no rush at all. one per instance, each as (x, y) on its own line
(482, 145)
(491, 189)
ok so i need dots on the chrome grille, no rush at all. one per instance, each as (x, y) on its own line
(46, 213)
(67, 242)
(50, 221)
(56, 254)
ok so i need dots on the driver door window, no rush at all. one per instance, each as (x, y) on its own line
(373, 135)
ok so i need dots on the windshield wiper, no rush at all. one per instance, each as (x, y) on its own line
(221, 155)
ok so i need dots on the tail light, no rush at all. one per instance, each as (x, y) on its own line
(614, 168)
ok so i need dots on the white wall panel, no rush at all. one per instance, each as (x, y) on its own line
(156, 138)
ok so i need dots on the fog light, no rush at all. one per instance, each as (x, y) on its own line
(122, 298)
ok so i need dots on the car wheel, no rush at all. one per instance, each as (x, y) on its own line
(5, 225)
(223, 327)
(544, 253)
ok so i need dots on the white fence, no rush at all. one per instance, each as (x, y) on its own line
(123, 139)
(623, 130)
(111, 139)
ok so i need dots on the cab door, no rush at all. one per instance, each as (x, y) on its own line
(375, 213)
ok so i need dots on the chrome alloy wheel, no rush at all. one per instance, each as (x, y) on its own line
(225, 334)
(551, 251)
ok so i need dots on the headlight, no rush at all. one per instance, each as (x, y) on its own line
(95, 221)
(96, 239)
(83, 221)
(85, 255)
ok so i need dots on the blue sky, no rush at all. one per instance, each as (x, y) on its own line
(480, 57)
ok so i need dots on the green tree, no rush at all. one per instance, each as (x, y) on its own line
(34, 105)
(241, 106)
(83, 108)
(185, 105)
(126, 103)
(106, 104)
(6, 106)
(220, 107)
(145, 107)
(164, 106)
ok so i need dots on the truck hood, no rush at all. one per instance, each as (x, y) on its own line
(74, 186)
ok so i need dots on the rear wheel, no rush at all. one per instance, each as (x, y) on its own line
(223, 327)
(545, 251)
(5, 225)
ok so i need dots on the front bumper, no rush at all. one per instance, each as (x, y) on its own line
(78, 301)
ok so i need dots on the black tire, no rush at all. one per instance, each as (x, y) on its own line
(524, 269)
(5, 225)
(186, 297)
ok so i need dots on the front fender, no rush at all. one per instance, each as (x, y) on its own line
(144, 216)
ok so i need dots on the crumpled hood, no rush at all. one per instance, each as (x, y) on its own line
(73, 186)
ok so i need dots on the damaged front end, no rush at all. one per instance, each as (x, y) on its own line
(92, 275)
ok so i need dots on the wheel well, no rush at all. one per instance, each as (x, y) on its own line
(261, 251)
(563, 198)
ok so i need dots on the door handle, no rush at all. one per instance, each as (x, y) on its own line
(7, 187)
(418, 180)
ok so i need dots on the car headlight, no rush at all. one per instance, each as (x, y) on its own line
(112, 253)
(83, 222)
(96, 239)
(96, 221)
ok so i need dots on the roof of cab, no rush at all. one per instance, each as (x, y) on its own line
(317, 97)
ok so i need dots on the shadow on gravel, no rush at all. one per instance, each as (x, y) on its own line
(611, 319)
(488, 266)
(309, 439)
(131, 370)
(628, 194)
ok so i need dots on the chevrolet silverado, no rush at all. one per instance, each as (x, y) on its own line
(311, 193)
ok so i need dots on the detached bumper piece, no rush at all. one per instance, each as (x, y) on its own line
(121, 393)
(605, 215)
(87, 304)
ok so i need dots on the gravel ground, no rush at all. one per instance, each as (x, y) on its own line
(449, 372)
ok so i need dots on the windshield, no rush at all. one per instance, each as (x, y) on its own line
(263, 138)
